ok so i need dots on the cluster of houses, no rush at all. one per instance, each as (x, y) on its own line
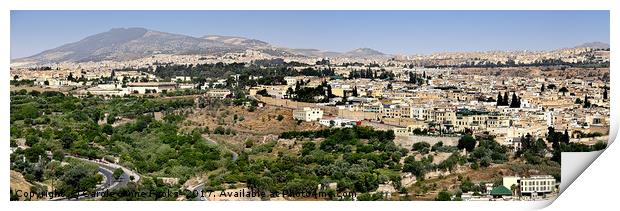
(308, 114)
(436, 101)
(450, 104)
(534, 187)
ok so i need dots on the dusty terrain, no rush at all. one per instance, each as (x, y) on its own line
(262, 121)
(19, 183)
(254, 127)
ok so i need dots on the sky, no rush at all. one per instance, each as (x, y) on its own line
(393, 32)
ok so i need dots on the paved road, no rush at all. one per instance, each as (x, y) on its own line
(107, 169)
(198, 189)
(109, 180)
(112, 182)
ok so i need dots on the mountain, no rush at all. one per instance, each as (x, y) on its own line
(364, 53)
(598, 45)
(313, 52)
(237, 41)
(130, 43)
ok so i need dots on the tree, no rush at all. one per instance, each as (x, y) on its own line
(108, 129)
(32, 139)
(117, 173)
(578, 101)
(566, 137)
(14, 195)
(600, 145)
(58, 155)
(417, 168)
(329, 91)
(370, 197)
(437, 146)
(421, 147)
(297, 86)
(307, 147)
(78, 178)
(553, 138)
(505, 103)
(466, 142)
(111, 119)
(542, 88)
(564, 90)
(290, 92)
(444, 196)
(586, 102)
(605, 94)
(219, 130)
(500, 100)
(263, 92)
(467, 185)
(516, 102)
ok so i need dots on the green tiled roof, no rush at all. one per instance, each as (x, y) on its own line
(501, 191)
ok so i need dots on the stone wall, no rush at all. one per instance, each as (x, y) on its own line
(357, 115)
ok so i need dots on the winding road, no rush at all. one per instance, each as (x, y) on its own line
(235, 156)
(107, 170)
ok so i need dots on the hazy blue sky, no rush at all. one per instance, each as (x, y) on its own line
(396, 32)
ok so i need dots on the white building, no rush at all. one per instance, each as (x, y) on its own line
(105, 90)
(537, 185)
(187, 86)
(510, 181)
(336, 122)
(151, 87)
(290, 80)
(219, 93)
(308, 114)
(182, 78)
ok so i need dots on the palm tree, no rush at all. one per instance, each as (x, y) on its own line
(513, 188)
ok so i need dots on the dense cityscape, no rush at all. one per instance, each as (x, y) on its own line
(302, 124)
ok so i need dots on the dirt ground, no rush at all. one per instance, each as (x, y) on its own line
(258, 127)
(262, 121)
(19, 183)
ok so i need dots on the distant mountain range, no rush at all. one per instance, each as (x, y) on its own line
(598, 45)
(133, 43)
